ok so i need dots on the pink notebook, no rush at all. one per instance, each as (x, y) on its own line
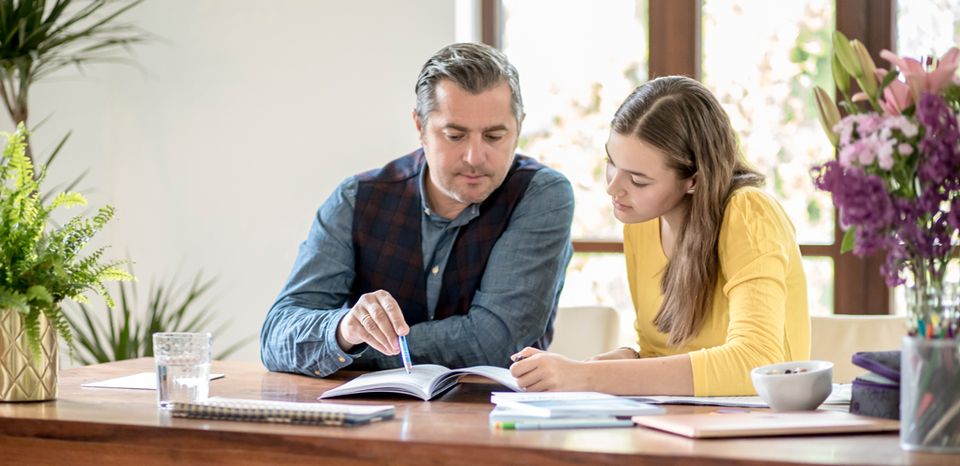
(760, 423)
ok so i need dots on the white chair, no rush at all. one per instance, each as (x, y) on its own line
(584, 331)
(835, 338)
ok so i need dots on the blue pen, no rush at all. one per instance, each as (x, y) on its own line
(405, 354)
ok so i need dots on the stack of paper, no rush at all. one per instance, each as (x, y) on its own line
(839, 396)
(564, 410)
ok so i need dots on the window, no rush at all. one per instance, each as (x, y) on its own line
(761, 59)
(579, 59)
(572, 83)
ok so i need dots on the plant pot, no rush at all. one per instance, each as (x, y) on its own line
(25, 376)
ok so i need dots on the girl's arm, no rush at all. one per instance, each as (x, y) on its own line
(541, 371)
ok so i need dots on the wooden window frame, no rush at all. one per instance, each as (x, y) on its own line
(858, 286)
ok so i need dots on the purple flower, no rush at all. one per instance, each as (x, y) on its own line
(940, 143)
(953, 216)
(862, 198)
(896, 180)
(890, 269)
(869, 241)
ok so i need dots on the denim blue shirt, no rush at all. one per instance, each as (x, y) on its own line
(511, 310)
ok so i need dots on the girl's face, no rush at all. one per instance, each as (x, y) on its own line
(639, 181)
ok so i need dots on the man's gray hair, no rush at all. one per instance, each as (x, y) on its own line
(473, 67)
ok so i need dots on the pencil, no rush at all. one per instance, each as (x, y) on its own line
(562, 424)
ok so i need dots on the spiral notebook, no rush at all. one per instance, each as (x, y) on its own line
(329, 414)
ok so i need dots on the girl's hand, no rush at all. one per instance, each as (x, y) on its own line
(619, 353)
(539, 371)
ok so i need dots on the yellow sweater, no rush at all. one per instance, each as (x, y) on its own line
(759, 313)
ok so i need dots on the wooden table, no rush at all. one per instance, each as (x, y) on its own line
(123, 427)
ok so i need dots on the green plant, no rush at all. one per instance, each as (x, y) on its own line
(38, 37)
(40, 265)
(127, 337)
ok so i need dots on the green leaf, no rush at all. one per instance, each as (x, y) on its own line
(39, 293)
(10, 299)
(129, 328)
(849, 239)
(887, 79)
(39, 266)
(67, 200)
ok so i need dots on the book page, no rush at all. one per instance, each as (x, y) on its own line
(497, 374)
(593, 407)
(418, 383)
(508, 397)
(728, 401)
(839, 396)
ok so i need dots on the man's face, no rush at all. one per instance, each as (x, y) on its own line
(469, 142)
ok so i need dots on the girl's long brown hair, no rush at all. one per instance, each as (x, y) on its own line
(681, 118)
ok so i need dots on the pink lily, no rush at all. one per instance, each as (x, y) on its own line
(896, 96)
(920, 80)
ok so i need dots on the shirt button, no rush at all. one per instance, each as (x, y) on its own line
(426, 211)
(317, 372)
(341, 359)
(436, 269)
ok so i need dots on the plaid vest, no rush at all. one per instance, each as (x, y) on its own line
(387, 235)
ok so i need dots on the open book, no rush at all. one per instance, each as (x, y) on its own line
(427, 381)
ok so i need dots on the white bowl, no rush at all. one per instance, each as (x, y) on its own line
(794, 386)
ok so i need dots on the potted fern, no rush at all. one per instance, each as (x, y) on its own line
(40, 267)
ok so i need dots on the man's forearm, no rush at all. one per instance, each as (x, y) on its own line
(299, 340)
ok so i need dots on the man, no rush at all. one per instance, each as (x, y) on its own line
(461, 245)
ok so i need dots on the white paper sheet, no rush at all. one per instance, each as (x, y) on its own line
(141, 381)
(839, 396)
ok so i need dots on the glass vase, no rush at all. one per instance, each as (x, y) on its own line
(930, 369)
(930, 394)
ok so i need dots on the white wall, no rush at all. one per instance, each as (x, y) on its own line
(244, 117)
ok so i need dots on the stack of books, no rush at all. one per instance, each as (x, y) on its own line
(565, 410)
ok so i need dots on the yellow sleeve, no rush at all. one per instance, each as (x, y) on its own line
(630, 256)
(754, 241)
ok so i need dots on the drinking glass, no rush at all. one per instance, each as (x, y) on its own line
(183, 367)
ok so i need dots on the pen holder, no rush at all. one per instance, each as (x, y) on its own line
(930, 395)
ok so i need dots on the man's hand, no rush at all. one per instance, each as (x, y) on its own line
(539, 371)
(375, 320)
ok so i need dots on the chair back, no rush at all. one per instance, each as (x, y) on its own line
(835, 338)
(585, 331)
